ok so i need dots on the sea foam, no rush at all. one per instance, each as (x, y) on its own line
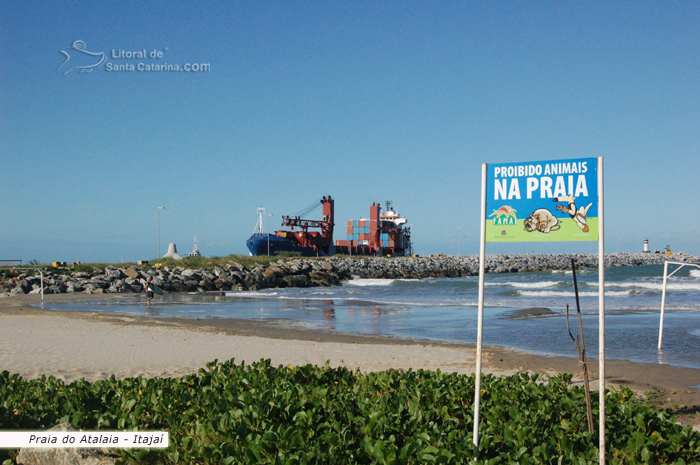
(572, 294)
(369, 282)
(533, 285)
(670, 286)
(256, 294)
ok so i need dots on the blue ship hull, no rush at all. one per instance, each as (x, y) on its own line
(258, 245)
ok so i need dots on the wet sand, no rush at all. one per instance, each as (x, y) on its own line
(95, 345)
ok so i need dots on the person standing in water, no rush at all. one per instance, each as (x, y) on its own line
(150, 290)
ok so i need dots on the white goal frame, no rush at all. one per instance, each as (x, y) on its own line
(663, 293)
(41, 274)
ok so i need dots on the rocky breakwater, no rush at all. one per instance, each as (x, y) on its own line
(232, 276)
(468, 265)
(304, 272)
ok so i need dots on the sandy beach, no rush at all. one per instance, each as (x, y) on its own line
(94, 345)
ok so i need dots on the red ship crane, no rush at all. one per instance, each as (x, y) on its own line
(321, 242)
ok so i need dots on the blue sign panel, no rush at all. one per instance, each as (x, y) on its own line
(553, 200)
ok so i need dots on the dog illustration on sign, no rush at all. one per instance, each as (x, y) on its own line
(541, 220)
(578, 215)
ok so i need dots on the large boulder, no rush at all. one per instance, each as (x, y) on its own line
(131, 273)
(114, 273)
(193, 274)
(300, 280)
(232, 265)
(74, 287)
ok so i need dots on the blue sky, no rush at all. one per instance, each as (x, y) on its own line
(365, 101)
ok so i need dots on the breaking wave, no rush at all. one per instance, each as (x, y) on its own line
(256, 294)
(572, 294)
(369, 282)
(533, 285)
(671, 286)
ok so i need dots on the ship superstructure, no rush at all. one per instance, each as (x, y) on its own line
(383, 233)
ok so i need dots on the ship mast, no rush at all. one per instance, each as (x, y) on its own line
(259, 225)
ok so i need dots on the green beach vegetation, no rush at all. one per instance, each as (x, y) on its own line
(210, 262)
(237, 413)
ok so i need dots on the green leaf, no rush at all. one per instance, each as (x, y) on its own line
(129, 404)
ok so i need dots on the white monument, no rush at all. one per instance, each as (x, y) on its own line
(172, 252)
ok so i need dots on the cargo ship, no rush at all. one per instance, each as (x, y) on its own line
(304, 242)
(384, 233)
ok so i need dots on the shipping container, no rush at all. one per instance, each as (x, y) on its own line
(394, 238)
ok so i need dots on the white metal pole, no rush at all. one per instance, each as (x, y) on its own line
(41, 273)
(460, 242)
(159, 209)
(601, 313)
(480, 323)
(663, 305)
(268, 233)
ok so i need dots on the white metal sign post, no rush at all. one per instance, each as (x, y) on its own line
(601, 316)
(564, 200)
(480, 323)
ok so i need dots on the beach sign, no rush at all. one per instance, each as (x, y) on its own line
(542, 201)
(556, 200)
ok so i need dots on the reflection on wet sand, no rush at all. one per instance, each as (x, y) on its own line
(372, 312)
(539, 330)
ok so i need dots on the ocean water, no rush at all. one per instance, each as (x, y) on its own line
(446, 309)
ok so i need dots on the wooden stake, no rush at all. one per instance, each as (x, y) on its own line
(581, 349)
